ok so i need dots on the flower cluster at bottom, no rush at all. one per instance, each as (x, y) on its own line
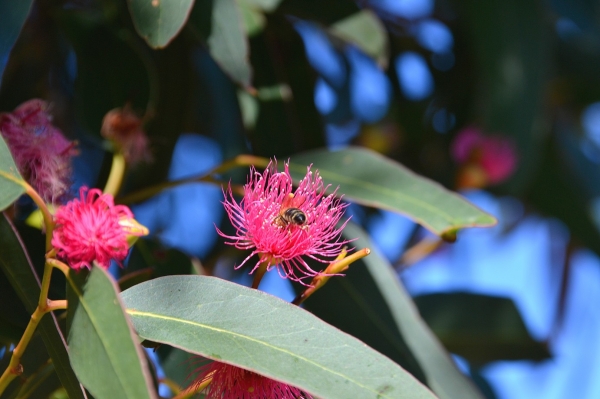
(231, 382)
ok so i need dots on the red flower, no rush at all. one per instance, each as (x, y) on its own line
(495, 155)
(93, 229)
(124, 128)
(42, 154)
(283, 238)
(231, 382)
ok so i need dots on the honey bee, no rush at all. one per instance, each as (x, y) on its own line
(289, 213)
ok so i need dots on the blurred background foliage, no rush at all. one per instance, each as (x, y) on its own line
(216, 78)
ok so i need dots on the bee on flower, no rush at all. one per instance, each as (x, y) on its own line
(286, 227)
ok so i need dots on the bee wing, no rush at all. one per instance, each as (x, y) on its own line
(287, 202)
(297, 201)
(292, 201)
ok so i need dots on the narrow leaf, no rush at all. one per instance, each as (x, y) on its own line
(264, 5)
(102, 347)
(369, 178)
(225, 35)
(14, 14)
(159, 21)
(19, 271)
(10, 189)
(227, 42)
(391, 300)
(366, 31)
(231, 323)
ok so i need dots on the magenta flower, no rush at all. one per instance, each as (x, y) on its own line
(495, 155)
(284, 227)
(124, 128)
(231, 382)
(42, 154)
(93, 228)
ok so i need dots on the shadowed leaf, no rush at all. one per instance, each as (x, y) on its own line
(370, 303)
(14, 14)
(19, 271)
(480, 328)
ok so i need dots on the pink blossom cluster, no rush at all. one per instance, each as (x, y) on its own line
(496, 155)
(92, 228)
(231, 382)
(41, 152)
(258, 223)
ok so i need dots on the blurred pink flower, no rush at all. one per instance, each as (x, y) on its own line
(283, 238)
(42, 154)
(495, 154)
(231, 382)
(93, 228)
(124, 128)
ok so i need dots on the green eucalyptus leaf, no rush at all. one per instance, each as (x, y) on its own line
(480, 328)
(371, 304)
(251, 329)
(18, 269)
(369, 178)
(253, 14)
(11, 186)
(264, 5)
(159, 21)
(102, 346)
(225, 35)
(14, 14)
(367, 32)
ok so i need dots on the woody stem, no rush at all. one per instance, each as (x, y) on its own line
(44, 306)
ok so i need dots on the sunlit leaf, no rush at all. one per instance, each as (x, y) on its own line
(370, 303)
(228, 322)
(102, 347)
(159, 21)
(265, 5)
(19, 271)
(253, 14)
(10, 189)
(369, 178)
(14, 14)
(365, 30)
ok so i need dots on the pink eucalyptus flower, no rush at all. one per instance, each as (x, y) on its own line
(93, 228)
(231, 382)
(280, 241)
(124, 128)
(42, 154)
(495, 155)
